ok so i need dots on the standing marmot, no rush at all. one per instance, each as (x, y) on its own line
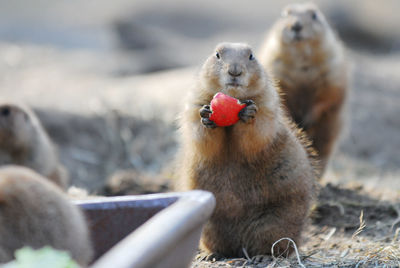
(258, 169)
(304, 55)
(36, 213)
(24, 142)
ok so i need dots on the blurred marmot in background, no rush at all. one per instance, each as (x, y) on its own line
(23, 141)
(133, 182)
(305, 56)
(258, 169)
(36, 213)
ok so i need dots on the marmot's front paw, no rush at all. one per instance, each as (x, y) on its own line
(205, 112)
(248, 113)
(208, 123)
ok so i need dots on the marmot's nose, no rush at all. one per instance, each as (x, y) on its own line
(297, 27)
(235, 70)
(5, 111)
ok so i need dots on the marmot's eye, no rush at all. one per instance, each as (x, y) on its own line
(217, 55)
(251, 57)
(5, 111)
(314, 15)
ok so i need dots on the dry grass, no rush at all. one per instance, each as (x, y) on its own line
(338, 252)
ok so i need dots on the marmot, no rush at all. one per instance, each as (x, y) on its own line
(23, 141)
(258, 169)
(34, 212)
(303, 53)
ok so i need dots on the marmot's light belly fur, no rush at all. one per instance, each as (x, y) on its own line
(258, 169)
(36, 213)
(23, 141)
(304, 55)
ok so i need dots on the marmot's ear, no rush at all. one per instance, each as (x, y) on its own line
(287, 11)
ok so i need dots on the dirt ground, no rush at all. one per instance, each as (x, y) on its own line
(108, 87)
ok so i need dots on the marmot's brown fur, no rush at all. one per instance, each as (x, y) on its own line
(34, 212)
(23, 141)
(305, 56)
(258, 169)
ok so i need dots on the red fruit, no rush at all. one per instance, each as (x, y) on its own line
(225, 110)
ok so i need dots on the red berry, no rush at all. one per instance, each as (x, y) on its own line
(225, 110)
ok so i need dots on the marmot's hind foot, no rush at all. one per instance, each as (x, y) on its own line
(212, 257)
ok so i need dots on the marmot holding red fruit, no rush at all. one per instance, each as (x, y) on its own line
(259, 169)
(23, 141)
(34, 212)
(308, 60)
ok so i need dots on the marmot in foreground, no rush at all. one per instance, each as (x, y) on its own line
(305, 56)
(34, 212)
(23, 141)
(258, 168)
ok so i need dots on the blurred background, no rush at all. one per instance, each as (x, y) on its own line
(107, 78)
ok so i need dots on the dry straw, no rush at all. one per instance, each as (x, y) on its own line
(294, 246)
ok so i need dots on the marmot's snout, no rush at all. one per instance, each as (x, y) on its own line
(235, 69)
(296, 27)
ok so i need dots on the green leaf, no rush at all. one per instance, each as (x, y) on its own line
(46, 257)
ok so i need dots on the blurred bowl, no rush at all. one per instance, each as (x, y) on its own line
(156, 230)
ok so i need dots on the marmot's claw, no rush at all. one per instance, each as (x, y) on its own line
(213, 257)
(208, 123)
(248, 113)
(205, 111)
(247, 102)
